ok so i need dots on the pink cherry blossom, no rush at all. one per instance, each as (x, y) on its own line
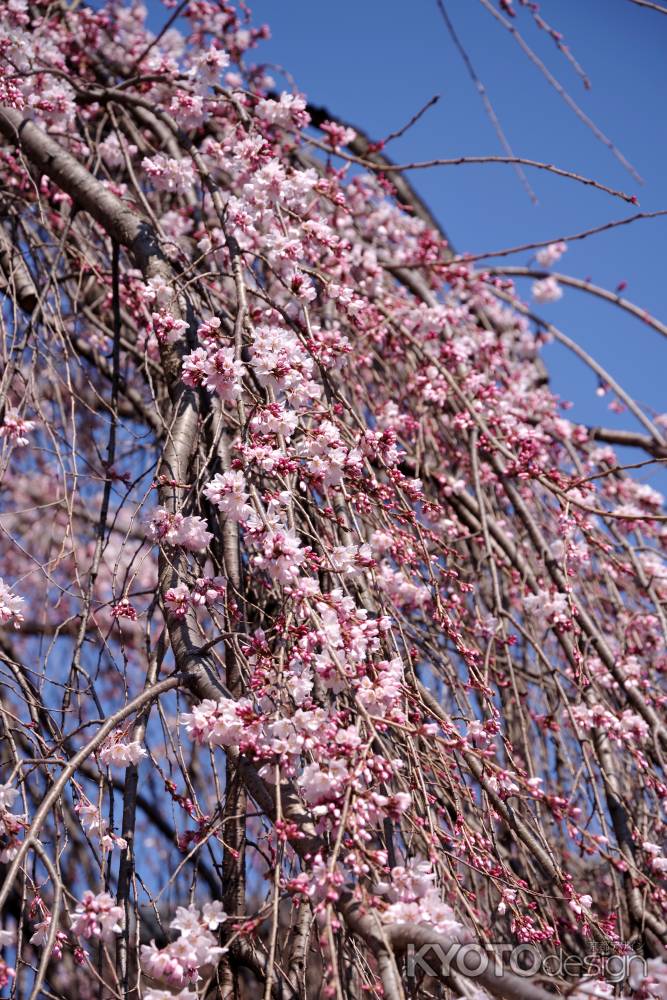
(229, 493)
(115, 752)
(10, 606)
(546, 290)
(550, 254)
(16, 429)
(176, 529)
(97, 916)
(168, 173)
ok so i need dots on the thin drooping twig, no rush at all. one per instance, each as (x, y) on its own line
(175, 14)
(128, 821)
(275, 903)
(585, 286)
(571, 238)
(560, 90)
(457, 161)
(411, 121)
(558, 39)
(486, 100)
(56, 907)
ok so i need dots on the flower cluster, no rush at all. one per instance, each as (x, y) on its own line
(550, 254)
(280, 554)
(414, 898)
(176, 529)
(288, 110)
(546, 290)
(167, 328)
(205, 592)
(96, 827)
(281, 363)
(168, 173)
(338, 135)
(41, 933)
(628, 727)
(547, 607)
(114, 752)
(223, 723)
(10, 606)
(229, 493)
(180, 962)
(216, 369)
(97, 916)
(16, 429)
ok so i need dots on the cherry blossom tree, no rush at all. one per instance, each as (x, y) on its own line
(326, 640)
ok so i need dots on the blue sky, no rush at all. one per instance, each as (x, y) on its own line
(375, 62)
